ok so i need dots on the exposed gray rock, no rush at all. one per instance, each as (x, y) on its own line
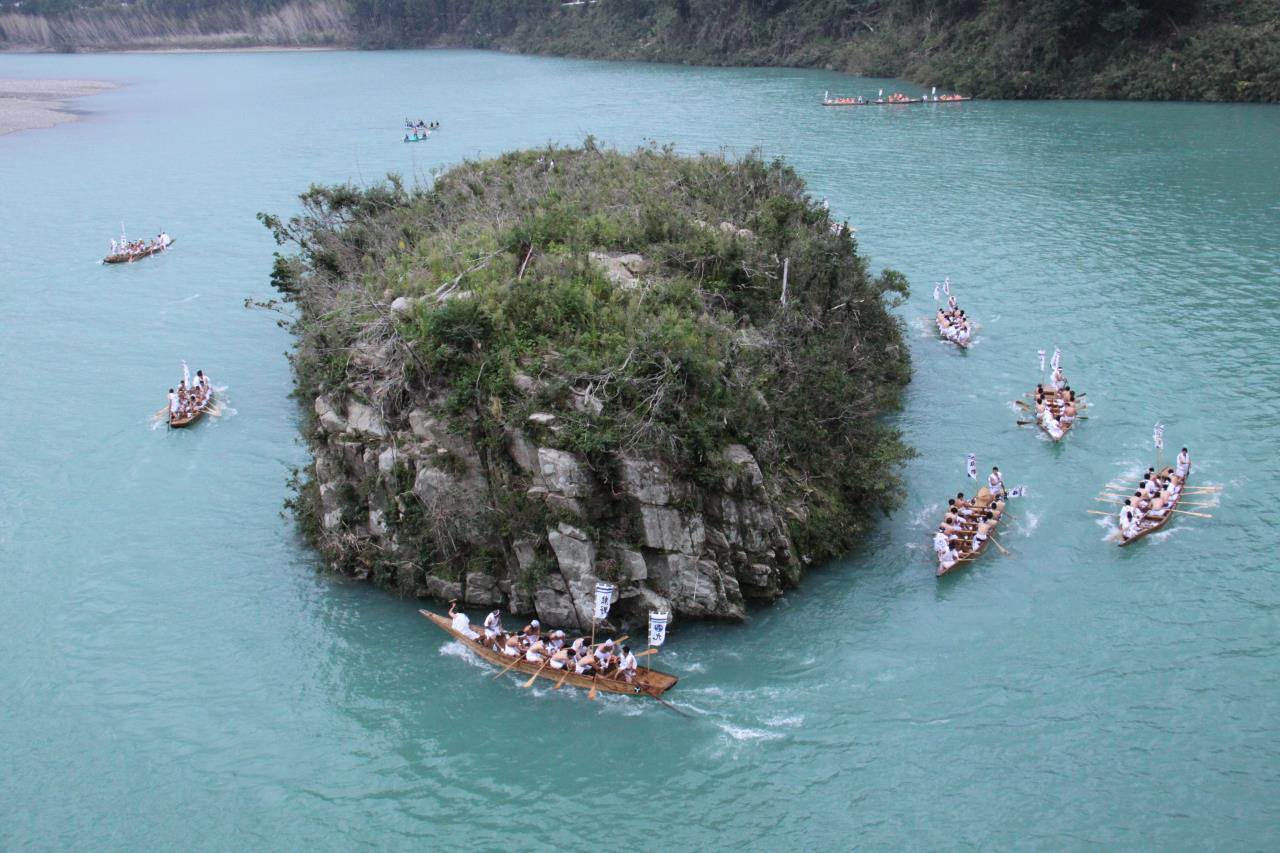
(624, 270)
(364, 420)
(667, 529)
(330, 421)
(564, 472)
(402, 305)
(522, 451)
(481, 589)
(645, 480)
(542, 418)
(388, 459)
(443, 589)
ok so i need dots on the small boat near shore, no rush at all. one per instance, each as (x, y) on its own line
(983, 503)
(648, 682)
(893, 100)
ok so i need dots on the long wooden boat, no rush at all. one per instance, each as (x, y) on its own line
(130, 257)
(648, 682)
(1143, 528)
(188, 419)
(1066, 428)
(983, 499)
(942, 334)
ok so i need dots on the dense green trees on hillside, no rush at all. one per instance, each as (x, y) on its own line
(1159, 49)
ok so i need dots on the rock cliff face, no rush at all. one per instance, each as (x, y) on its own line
(697, 550)
(550, 370)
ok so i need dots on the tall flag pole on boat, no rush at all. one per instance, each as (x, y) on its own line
(1040, 353)
(604, 597)
(936, 294)
(657, 629)
(1157, 436)
(946, 285)
(971, 463)
(1056, 361)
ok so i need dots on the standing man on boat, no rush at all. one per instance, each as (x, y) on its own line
(1183, 464)
(996, 483)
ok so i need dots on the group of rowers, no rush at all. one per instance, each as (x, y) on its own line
(968, 523)
(189, 398)
(419, 130)
(1155, 497)
(140, 247)
(606, 659)
(1056, 406)
(953, 324)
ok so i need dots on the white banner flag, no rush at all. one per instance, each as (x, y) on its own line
(604, 597)
(1057, 359)
(1040, 353)
(971, 463)
(1157, 435)
(936, 295)
(1020, 492)
(658, 627)
(946, 285)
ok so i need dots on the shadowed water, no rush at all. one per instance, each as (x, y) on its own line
(176, 674)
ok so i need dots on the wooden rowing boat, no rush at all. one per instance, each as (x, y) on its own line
(648, 682)
(942, 333)
(1143, 528)
(130, 257)
(982, 499)
(1054, 404)
(187, 420)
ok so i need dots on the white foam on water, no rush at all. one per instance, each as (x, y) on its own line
(789, 722)
(183, 301)
(942, 722)
(695, 667)
(743, 733)
(1032, 522)
(455, 649)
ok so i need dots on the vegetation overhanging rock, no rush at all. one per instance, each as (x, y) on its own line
(566, 365)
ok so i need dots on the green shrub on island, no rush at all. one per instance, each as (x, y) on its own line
(610, 307)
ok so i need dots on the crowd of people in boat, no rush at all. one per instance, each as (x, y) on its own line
(968, 524)
(419, 129)
(1155, 497)
(606, 659)
(140, 247)
(953, 324)
(191, 396)
(1056, 406)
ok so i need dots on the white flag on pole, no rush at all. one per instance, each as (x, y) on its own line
(1057, 359)
(604, 597)
(658, 627)
(971, 463)
(1157, 435)
(1040, 353)
(1019, 492)
(936, 296)
(946, 285)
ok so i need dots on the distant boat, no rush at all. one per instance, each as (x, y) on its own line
(892, 100)
(130, 257)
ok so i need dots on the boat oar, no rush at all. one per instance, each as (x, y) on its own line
(672, 707)
(1189, 512)
(992, 537)
(511, 665)
(1100, 512)
(534, 677)
(591, 694)
(563, 678)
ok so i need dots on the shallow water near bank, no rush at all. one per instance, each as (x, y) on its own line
(176, 672)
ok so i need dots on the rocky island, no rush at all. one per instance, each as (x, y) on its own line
(574, 364)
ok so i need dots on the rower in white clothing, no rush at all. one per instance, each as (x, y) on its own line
(461, 623)
(493, 625)
(173, 404)
(1129, 519)
(995, 482)
(940, 542)
(1058, 380)
(627, 665)
(1183, 464)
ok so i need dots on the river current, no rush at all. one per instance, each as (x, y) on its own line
(175, 673)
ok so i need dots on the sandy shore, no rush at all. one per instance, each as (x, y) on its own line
(27, 104)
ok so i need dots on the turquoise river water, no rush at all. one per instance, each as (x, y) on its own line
(175, 673)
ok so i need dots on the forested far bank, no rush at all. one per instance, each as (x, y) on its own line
(1205, 50)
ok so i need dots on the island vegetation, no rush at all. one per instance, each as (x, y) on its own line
(1215, 50)
(566, 365)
